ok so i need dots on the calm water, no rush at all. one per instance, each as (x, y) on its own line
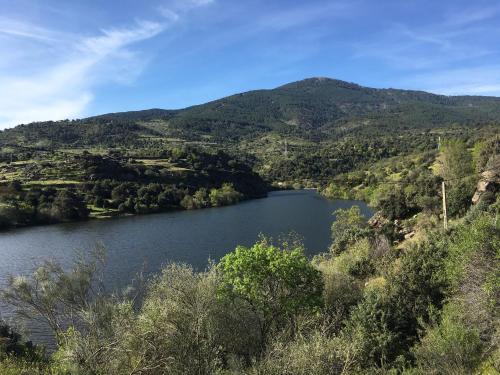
(183, 236)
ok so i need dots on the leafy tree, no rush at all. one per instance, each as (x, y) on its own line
(369, 330)
(458, 196)
(483, 151)
(11, 344)
(224, 196)
(181, 325)
(357, 260)
(188, 202)
(201, 198)
(386, 323)
(416, 288)
(55, 296)
(311, 354)
(394, 205)
(349, 226)
(277, 283)
(68, 206)
(455, 161)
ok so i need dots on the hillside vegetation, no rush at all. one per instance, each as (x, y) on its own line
(318, 132)
(396, 294)
(315, 109)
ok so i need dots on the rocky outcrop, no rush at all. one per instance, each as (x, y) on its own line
(489, 182)
(400, 229)
(378, 221)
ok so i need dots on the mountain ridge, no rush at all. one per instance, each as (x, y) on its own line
(316, 107)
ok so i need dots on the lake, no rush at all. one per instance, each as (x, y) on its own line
(192, 237)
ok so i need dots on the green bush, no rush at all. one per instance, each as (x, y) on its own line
(349, 226)
(276, 283)
(357, 260)
(452, 347)
(312, 355)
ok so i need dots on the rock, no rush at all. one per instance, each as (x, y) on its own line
(409, 235)
(378, 220)
(490, 181)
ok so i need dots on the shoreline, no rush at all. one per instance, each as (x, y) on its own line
(125, 215)
(128, 215)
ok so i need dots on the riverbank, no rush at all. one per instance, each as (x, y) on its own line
(97, 213)
(144, 243)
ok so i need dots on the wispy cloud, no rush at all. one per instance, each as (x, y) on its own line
(469, 16)
(64, 69)
(15, 28)
(64, 89)
(484, 80)
(450, 55)
(172, 10)
(302, 15)
(408, 48)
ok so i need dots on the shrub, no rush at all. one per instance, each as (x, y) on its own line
(357, 260)
(452, 347)
(314, 355)
(276, 283)
(349, 226)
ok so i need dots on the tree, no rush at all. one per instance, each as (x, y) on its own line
(394, 205)
(454, 161)
(349, 226)
(68, 206)
(387, 322)
(55, 296)
(484, 151)
(201, 198)
(224, 196)
(277, 283)
(184, 328)
(11, 344)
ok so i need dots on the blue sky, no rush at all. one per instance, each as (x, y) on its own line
(68, 59)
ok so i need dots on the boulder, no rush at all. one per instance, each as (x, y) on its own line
(378, 220)
(489, 182)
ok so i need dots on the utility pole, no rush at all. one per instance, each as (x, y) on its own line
(439, 142)
(445, 216)
(286, 149)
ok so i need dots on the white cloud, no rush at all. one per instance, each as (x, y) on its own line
(185, 5)
(483, 80)
(14, 28)
(198, 3)
(63, 88)
(468, 16)
(168, 14)
(47, 74)
(172, 9)
(432, 52)
(290, 17)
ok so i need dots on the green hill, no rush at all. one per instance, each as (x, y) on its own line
(315, 108)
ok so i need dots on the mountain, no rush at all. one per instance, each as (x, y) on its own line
(314, 108)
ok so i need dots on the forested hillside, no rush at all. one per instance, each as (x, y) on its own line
(309, 133)
(315, 108)
(396, 294)
(52, 186)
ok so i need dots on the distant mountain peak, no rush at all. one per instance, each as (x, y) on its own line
(319, 107)
(320, 82)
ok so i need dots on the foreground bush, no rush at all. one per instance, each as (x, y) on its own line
(428, 308)
(275, 283)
